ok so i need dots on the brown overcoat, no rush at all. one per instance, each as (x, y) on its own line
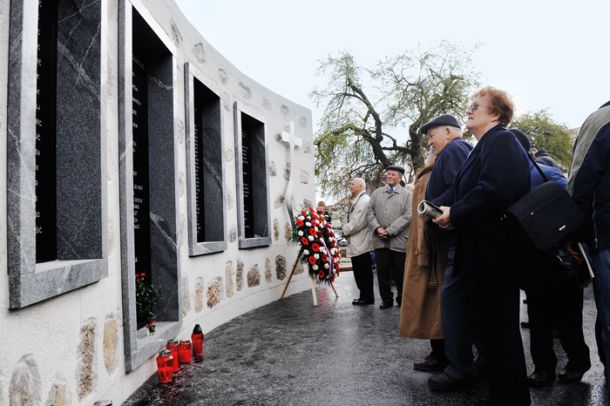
(420, 312)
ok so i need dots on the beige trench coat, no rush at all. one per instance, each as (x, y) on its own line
(420, 312)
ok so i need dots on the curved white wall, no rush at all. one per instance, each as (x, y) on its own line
(70, 349)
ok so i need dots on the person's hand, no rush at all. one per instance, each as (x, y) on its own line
(444, 221)
(574, 253)
(382, 232)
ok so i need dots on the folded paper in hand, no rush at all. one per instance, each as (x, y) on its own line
(429, 209)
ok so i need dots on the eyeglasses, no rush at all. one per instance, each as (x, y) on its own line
(474, 106)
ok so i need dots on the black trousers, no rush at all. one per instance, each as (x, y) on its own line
(496, 325)
(363, 273)
(438, 350)
(390, 266)
(560, 307)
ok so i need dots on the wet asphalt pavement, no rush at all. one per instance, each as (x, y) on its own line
(291, 353)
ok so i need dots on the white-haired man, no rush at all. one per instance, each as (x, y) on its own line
(360, 242)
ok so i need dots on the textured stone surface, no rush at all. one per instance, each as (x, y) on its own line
(278, 202)
(24, 389)
(276, 230)
(287, 231)
(300, 268)
(233, 233)
(199, 52)
(245, 91)
(280, 267)
(287, 170)
(229, 154)
(199, 295)
(268, 272)
(223, 76)
(304, 177)
(186, 296)
(214, 292)
(254, 276)
(239, 275)
(231, 203)
(272, 168)
(229, 276)
(110, 341)
(291, 353)
(86, 360)
(176, 33)
(59, 395)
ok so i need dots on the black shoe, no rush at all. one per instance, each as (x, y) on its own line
(444, 383)
(540, 378)
(525, 324)
(386, 305)
(362, 302)
(571, 375)
(430, 364)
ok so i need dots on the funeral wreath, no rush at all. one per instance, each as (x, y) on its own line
(319, 248)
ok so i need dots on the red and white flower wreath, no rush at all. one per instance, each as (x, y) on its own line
(318, 245)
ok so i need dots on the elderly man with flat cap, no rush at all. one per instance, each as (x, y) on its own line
(445, 138)
(389, 217)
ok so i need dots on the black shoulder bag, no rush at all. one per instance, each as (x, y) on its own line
(546, 215)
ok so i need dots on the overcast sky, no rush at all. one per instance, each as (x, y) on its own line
(545, 54)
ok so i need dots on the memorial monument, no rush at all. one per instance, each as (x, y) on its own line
(132, 147)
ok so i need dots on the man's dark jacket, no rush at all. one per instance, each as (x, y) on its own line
(440, 190)
(543, 157)
(495, 175)
(589, 179)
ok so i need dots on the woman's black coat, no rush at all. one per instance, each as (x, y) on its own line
(495, 175)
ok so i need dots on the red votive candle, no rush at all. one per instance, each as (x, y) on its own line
(172, 345)
(197, 339)
(184, 351)
(165, 366)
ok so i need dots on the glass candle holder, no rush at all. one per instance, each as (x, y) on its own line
(165, 366)
(185, 351)
(172, 345)
(197, 339)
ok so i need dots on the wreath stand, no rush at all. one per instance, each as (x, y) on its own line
(314, 294)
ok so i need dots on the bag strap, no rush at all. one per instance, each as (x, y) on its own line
(544, 177)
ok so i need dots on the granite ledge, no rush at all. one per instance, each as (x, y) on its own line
(53, 279)
(256, 242)
(148, 345)
(206, 248)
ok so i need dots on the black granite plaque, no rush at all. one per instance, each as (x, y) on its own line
(141, 205)
(246, 160)
(46, 89)
(207, 145)
(199, 173)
